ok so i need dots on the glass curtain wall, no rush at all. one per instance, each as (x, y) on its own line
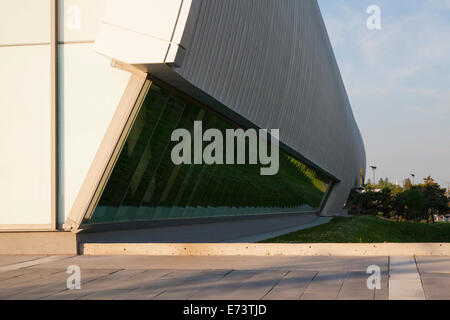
(146, 185)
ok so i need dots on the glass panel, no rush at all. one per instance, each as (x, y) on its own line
(146, 185)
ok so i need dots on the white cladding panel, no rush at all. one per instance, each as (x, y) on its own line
(79, 20)
(25, 135)
(90, 91)
(24, 21)
(143, 31)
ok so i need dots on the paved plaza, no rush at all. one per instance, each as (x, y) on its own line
(224, 278)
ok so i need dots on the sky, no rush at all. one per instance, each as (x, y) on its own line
(398, 82)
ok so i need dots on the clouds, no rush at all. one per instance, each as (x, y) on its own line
(399, 72)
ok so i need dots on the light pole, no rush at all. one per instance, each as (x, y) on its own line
(413, 176)
(448, 187)
(373, 173)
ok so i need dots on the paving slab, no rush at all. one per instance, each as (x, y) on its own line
(438, 295)
(406, 290)
(292, 286)
(101, 287)
(7, 260)
(179, 283)
(87, 275)
(33, 262)
(403, 268)
(357, 295)
(404, 279)
(323, 295)
(29, 281)
(436, 285)
(224, 278)
(191, 285)
(433, 264)
(327, 281)
(355, 287)
(12, 274)
(324, 286)
(39, 289)
(383, 293)
(219, 289)
(256, 287)
(222, 262)
(146, 286)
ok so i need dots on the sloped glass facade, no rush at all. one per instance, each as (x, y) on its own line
(146, 185)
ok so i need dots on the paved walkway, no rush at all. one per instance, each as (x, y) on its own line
(241, 231)
(148, 277)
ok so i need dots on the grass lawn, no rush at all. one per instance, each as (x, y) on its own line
(367, 229)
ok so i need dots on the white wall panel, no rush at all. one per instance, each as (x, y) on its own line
(90, 91)
(25, 135)
(143, 31)
(155, 18)
(24, 21)
(79, 19)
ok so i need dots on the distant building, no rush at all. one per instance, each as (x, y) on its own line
(442, 217)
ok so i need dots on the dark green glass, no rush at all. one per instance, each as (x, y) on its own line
(146, 185)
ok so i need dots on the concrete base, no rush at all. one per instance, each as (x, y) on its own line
(38, 243)
(267, 249)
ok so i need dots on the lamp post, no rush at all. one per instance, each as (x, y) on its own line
(373, 173)
(448, 189)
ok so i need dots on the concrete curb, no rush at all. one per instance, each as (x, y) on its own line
(257, 249)
(38, 243)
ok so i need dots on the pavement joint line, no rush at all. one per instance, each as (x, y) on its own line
(342, 284)
(309, 283)
(420, 277)
(279, 280)
(31, 263)
(389, 272)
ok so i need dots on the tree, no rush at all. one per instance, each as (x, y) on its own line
(407, 184)
(419, 202)
(415, 203)
(436, 201)
(399, 205)
(384, 202)
(364, 203)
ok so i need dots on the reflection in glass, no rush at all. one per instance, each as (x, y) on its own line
(146, 185)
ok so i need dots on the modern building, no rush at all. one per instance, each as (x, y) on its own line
(92, 90)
